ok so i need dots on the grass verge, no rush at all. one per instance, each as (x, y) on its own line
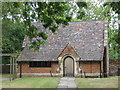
(5, 76)
(110, 82)
(38, 82)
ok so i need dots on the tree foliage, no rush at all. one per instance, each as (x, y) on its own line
(51, 14)
(12, 36)
(114, 34)
(95, 11)
(115, 6)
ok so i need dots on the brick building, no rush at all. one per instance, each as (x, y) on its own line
(79, 49)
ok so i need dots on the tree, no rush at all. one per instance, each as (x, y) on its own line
(51, 14)
(12, 36)
(115, 33)
(95, 11)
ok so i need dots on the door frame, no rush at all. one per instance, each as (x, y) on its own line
(64, 66)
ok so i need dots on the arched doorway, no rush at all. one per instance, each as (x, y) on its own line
(68, 67)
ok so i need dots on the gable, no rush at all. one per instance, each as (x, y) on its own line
(68, 50)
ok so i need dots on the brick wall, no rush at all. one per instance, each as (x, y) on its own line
(90, 67)
(27, 69)
(113, 66)
(87, 67)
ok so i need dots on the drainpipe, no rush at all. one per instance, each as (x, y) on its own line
(100, 70)
(20, 69)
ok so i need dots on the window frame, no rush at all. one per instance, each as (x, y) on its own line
(40, 64)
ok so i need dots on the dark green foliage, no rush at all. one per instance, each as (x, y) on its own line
(82, 4)
(43, 35)
(115, 6)
(12, 36)
(81, 14)
(5, 59)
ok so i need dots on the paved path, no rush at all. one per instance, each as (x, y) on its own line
(67, 82)
(4, 79)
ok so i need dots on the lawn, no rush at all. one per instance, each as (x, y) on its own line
(5, 76)
(38, 82)
(111, 82)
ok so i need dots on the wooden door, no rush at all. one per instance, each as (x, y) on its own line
(68, 67)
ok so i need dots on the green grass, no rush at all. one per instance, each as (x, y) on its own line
(111, 82)
(38, 82)
(5, 76)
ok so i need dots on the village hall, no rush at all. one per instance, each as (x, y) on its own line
(79, 49)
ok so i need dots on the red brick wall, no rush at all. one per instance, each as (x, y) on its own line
(27, 69)
(113, 66)
(90, 67)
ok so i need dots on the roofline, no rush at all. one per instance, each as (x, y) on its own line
(90, 21)
(33, 61)
(82, 21)
(89, 60)
(57, 61)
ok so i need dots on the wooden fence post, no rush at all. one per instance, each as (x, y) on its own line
(10, 67)
(13, 66)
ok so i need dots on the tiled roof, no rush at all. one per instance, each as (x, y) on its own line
(85, 37)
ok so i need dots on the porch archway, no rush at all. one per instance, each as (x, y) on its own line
(68, 67)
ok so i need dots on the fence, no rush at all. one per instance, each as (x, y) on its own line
(6, 69)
